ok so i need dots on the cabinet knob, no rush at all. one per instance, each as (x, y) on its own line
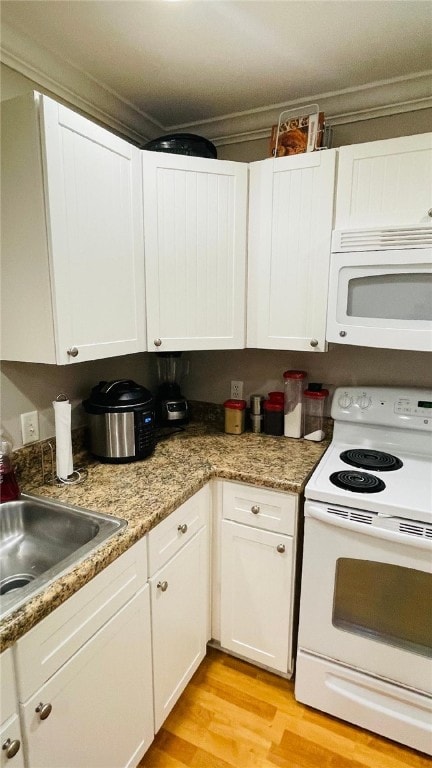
(162, 585)
(11, 747)
(281, 548)
(314, 342)
(182, 528)
(342, 333)
(430, 212)
(255, 509)
(72, 352)
(157, 342)
(43, 710)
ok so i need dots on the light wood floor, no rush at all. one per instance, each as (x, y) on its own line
(233, 715)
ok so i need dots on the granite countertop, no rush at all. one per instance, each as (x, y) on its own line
(145, 492)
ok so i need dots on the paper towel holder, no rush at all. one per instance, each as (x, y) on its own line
(49, 477)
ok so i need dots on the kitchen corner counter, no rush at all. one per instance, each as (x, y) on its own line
(145, 492)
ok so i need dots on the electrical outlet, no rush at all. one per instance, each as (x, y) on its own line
(30, 427)
(237, 390)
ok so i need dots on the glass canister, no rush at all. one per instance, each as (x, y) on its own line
(235, 411)
(313, 419)
(294, 384)
(273, 417)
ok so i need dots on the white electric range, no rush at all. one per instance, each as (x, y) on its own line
(365, 629)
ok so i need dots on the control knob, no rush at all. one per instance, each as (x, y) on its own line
(345, 400)
(364, 402)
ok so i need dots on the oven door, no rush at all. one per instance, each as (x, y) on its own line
(381, 299)
(366, 597)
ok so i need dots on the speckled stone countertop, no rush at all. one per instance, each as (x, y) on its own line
(145, 492)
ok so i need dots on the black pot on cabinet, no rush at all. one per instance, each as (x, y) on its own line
(121, 421)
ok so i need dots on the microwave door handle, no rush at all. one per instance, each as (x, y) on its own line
(316, 512)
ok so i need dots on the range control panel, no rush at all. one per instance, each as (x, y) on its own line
(384, 406)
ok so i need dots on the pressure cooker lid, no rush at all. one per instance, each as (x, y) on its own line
(122, 394)
(183, 144)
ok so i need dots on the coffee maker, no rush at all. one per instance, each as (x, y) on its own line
(171, 407)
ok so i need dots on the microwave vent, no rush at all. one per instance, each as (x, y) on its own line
(381, 239)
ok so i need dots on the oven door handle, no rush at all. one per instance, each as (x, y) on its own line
(315, 511)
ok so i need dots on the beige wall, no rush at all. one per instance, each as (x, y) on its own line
(27, 387)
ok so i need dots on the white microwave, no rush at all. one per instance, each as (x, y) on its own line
(381, 299)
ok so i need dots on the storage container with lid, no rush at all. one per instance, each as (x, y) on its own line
(273, 417)
(294, 384)
(235, 411)
(313, 419)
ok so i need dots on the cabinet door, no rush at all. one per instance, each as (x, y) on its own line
(94, 209)
(195, 252)
(257, 585)
(101, 699)
(290, 224)
(385, 184)
(11, 744)
(179, 601)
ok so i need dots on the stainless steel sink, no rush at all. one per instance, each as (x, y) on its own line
(40, 539)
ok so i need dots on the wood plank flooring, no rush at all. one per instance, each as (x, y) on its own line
(233, 715)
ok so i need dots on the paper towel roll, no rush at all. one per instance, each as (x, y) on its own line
(62, 418)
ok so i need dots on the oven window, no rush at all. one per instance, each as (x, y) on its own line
(391, 297)
(385, 602)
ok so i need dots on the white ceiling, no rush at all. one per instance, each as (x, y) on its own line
(173, 65)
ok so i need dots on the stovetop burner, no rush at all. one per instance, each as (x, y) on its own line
(367, 458)
(358, 482)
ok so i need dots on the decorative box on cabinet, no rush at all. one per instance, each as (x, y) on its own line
(384, 185)
(72, 242)
(290, 225)
(257, 573)
(84, 674)
(195, 252)
(179, 583)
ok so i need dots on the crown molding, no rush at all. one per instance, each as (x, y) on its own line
(67, 83)
(77, 89)
(350, 105)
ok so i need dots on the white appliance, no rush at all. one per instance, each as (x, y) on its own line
(365, 627)
(382, 297)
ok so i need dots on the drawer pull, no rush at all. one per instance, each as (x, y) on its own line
(11, 747)
(313, 342)
(157, 342)
(281, 548)
(162, 585)
(43, 710)
(255, 509)
(182, 528)
(73, 352)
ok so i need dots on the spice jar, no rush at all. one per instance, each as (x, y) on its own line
(313, 421)
(235, 416)
(256, 417)
(273, 417)
(294, 384)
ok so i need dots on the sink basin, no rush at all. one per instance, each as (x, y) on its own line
(40, 539)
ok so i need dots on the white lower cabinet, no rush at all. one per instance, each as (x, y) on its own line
(84, 674)
(98, 704)
(257, 575)
(179, 600)
(10, 729)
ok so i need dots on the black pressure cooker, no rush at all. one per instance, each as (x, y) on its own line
(121, 421)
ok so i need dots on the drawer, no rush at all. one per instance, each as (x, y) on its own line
(169, 536)
(43, 650)
(260, 507)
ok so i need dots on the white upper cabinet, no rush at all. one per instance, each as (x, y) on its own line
(72, 242)
(385, 184)
(290, 225)
(195, 252)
